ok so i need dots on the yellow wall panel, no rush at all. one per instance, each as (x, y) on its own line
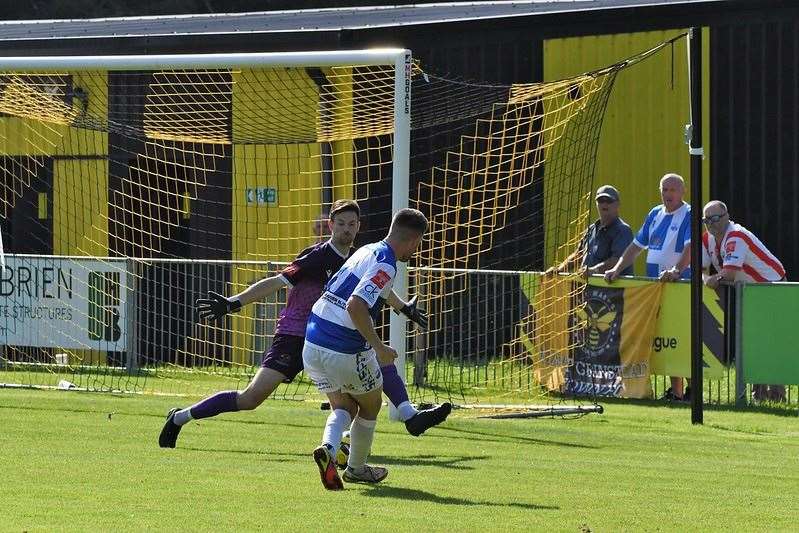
(642, 134)
(276, 112)
(80, 207)
(275, 232)
(274, 105)
(80, 186)
(343, 171)
(272, 232)
(53, 135)
(28, 137)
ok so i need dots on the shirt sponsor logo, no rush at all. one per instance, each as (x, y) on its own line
(370, 289)
(380, 279)
(729, 247)
(335, 300)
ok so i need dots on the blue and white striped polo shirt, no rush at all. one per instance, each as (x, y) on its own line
(369, 274)
(665, 235)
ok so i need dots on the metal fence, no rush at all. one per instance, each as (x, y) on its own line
(473, 323)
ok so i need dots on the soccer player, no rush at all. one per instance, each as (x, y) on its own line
(306, 276)
(343, 353)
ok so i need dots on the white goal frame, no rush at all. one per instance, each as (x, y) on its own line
(401, 59)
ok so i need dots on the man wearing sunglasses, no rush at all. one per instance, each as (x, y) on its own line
(605, 240)
(666, 235)
(737, 254)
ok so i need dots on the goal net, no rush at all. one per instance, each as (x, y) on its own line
(131, 186)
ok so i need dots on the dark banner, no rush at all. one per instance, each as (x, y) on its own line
(616, 328)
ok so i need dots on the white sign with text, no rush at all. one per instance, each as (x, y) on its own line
(61, 302)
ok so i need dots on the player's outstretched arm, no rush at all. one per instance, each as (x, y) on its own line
(216, 306)
(410, 309)
(260, 290)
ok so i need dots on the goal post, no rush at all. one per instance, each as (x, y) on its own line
(126, 152)
(400, 185)
(375, 56)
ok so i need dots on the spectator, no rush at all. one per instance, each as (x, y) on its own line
(604, 242)
(666, 234)
(736, 254)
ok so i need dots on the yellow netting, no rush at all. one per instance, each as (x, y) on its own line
(160, 186)
(139, 172)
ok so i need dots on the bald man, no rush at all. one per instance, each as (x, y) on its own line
(736, 254)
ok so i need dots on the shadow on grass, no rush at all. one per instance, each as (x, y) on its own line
(786, 410)
(277, 457)
(499, 437)
(774, 409)
(440, 461)
(738, 430)
(387, 491)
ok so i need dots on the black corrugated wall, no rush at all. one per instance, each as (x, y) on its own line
(754, 115)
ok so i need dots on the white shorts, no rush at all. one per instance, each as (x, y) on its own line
(341, 372)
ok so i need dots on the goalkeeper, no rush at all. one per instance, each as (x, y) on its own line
(306, 276)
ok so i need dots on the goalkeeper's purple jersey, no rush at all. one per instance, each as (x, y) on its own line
(306, 276)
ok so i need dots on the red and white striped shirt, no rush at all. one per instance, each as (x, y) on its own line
(741, 251)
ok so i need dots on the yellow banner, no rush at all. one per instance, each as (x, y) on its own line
(617, 328)
(671, 349)
(594, 342)
(624, 333)
(637, 333)
(671, 346)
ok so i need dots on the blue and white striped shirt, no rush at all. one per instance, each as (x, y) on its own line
(665, 235)
(368, 274)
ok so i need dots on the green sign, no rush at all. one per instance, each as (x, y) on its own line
(261, 196)
(768, 328)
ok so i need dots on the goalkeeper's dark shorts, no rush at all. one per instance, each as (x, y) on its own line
(285, 355)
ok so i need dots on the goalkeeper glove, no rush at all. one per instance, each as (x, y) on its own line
(216, 306)
(415, 314)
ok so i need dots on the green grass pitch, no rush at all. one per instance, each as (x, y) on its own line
(76, 461)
